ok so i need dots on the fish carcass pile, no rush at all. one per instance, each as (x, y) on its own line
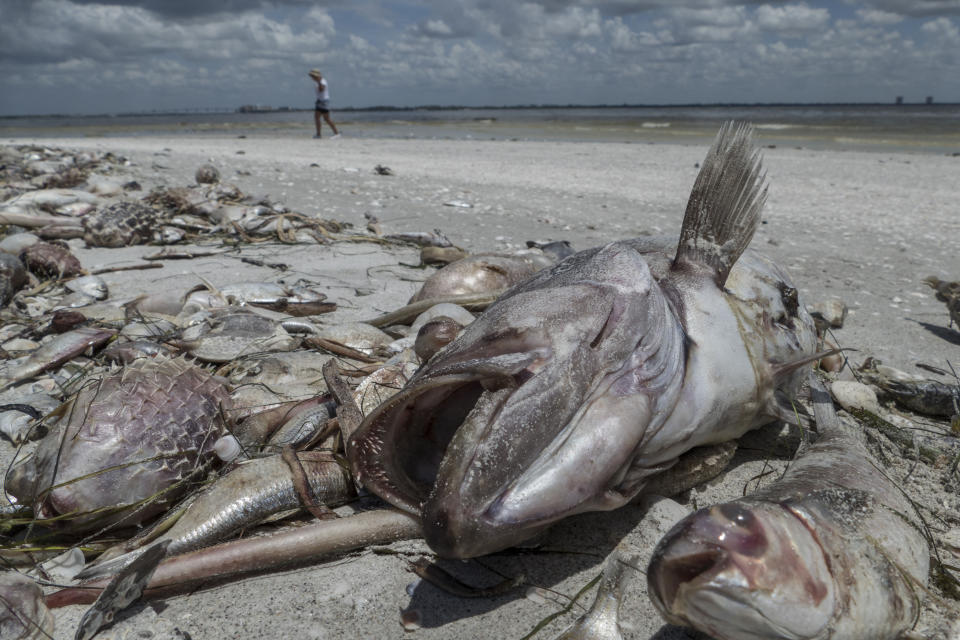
(162, 440)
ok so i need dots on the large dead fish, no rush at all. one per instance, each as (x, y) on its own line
(125, 445)
(832, 551)
(582, 382)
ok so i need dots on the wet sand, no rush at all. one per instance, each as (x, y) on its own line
(864, 227)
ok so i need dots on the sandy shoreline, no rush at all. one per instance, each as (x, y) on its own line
(863, 227)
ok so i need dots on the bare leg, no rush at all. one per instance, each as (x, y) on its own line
(326, 117)
(316, 120)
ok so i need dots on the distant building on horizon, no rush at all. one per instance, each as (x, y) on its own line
(929, 99)
(899, 100)
(254, 108)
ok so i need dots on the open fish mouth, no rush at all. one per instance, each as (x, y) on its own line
(420, 444)
(469, 442)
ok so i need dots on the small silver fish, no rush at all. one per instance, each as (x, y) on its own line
(242, 498)
(582, 382)
(57, 351)
(834, 550)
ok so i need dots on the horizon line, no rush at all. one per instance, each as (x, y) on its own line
(456, 107)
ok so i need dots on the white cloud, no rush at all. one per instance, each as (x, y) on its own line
(793, 18)
(942, 28)
(878, 17)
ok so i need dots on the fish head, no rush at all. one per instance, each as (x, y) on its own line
(744, 570)
(533, 412)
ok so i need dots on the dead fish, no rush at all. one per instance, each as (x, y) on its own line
(125, 446)
(230, 335)
(93, 286)
(254, 490)
(580, 383)
(949, 293)
(17, 420)
(833, 550)
(48, 199)
(17, 242)
(557, 249)
(295, 301)
(122, 224)
(602, 621)
(207, 174)
(302, 426)
(435, 335)
(480, 273)
(422, 238)
(122, 591)
(57, 351)
(12, 277)
(441, 255)
(928, 397)
(360, 336)
(49, 260)
(23, 614)
(129, 350)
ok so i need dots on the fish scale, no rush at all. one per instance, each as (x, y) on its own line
(152, 425)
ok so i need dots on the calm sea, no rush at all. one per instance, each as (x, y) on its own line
(920, 128)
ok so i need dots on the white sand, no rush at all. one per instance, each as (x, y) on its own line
(865, 227)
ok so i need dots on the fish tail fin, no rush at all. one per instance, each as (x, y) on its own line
(723, 211)
(106, 568)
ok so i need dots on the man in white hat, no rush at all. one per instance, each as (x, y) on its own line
(322, 106)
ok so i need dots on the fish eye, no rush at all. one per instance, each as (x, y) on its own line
(738, 515)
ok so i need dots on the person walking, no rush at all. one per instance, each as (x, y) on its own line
(322, 106)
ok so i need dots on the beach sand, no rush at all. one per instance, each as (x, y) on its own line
(863, 227)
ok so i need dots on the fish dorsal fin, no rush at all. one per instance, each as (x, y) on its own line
(725, 203)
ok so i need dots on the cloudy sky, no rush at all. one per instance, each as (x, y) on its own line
(74, 56)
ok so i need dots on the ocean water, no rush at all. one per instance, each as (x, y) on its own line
(919, 128)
